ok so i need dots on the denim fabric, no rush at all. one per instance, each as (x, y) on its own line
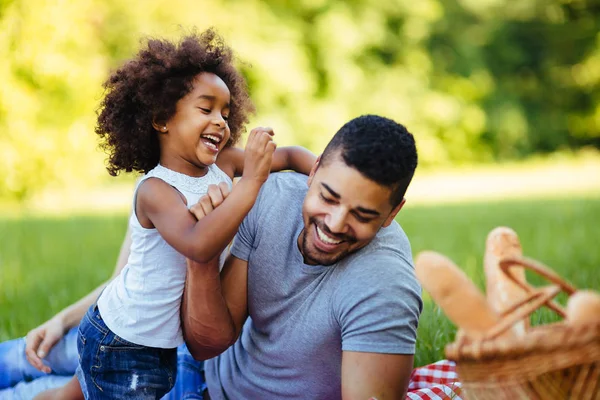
(190, 383)
(63, 358)
(15, 368)
(27, 390)
(111, 367)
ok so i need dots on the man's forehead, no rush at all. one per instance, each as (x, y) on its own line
(349, 184)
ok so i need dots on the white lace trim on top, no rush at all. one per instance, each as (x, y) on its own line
(192, 184)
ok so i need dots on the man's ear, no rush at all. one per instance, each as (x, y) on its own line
(313, 170)
(393, 213)
(159, 126)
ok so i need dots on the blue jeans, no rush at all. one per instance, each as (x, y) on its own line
(21, 381)
(111, 367)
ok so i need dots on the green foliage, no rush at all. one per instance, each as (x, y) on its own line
(475, 80)
(49, 263)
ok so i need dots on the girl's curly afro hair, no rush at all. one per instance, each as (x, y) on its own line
(148, 88)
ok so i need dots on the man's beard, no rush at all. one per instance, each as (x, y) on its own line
(312, 255)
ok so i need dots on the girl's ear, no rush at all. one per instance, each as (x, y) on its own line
(159, 126)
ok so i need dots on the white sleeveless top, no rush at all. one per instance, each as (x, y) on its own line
(142, 303)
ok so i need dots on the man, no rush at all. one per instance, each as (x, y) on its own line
(319, 285)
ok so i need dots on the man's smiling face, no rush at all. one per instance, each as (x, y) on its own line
(342, 212)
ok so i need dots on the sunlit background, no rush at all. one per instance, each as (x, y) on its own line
(503, 97)
(477, 81)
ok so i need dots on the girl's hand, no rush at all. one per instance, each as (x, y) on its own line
(213, 199)
(258, 155)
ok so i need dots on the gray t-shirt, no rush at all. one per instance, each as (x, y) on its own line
(302, 317)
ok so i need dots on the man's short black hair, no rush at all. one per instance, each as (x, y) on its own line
(381, 149)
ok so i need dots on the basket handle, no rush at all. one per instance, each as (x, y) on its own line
(536, 298)
(524, 308)
(510, 262)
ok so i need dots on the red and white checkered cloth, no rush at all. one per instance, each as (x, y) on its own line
(437, 381)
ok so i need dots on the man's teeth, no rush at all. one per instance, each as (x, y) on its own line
(325, 238)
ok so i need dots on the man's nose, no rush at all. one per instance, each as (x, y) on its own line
(336, 221)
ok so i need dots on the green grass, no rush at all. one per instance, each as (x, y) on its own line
(47, 263)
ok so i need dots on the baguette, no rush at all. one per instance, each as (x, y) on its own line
(583, 307)
(501, 291)
(459, 298)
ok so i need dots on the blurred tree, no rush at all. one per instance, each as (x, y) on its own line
(475, 80)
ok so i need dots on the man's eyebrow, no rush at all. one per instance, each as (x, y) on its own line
(331, 191)
(361, 210)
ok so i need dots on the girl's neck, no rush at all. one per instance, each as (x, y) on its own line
(184, 167)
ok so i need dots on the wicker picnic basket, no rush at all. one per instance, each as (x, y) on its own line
(550, 362)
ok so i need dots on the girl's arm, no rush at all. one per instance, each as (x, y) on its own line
(296, 158)
(158, 205)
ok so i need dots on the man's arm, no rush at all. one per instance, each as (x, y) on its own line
(40, 340)
(214, 307)
(382, 376)
(378, 308)
(234, 281)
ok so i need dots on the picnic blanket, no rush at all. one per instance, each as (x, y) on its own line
(437, 381)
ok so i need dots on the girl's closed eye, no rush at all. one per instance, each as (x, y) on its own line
(205, 110)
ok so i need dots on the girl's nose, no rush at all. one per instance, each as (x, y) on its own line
(218, 120)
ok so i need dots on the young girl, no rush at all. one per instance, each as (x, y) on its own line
(172, 112)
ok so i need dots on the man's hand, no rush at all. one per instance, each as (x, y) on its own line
(39, 342)
(258, 155)
(213, 199)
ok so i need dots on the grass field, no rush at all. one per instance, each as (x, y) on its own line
(46, 263)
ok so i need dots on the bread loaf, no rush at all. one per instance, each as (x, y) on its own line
(583, 307)
(501, 291)
(463, 303)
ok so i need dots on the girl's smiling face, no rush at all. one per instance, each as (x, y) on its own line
(192, 138)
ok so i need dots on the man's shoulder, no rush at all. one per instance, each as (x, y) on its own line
(283, 184)
(388, 256)
(390, 240)
(287, 179)
(394, 236)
